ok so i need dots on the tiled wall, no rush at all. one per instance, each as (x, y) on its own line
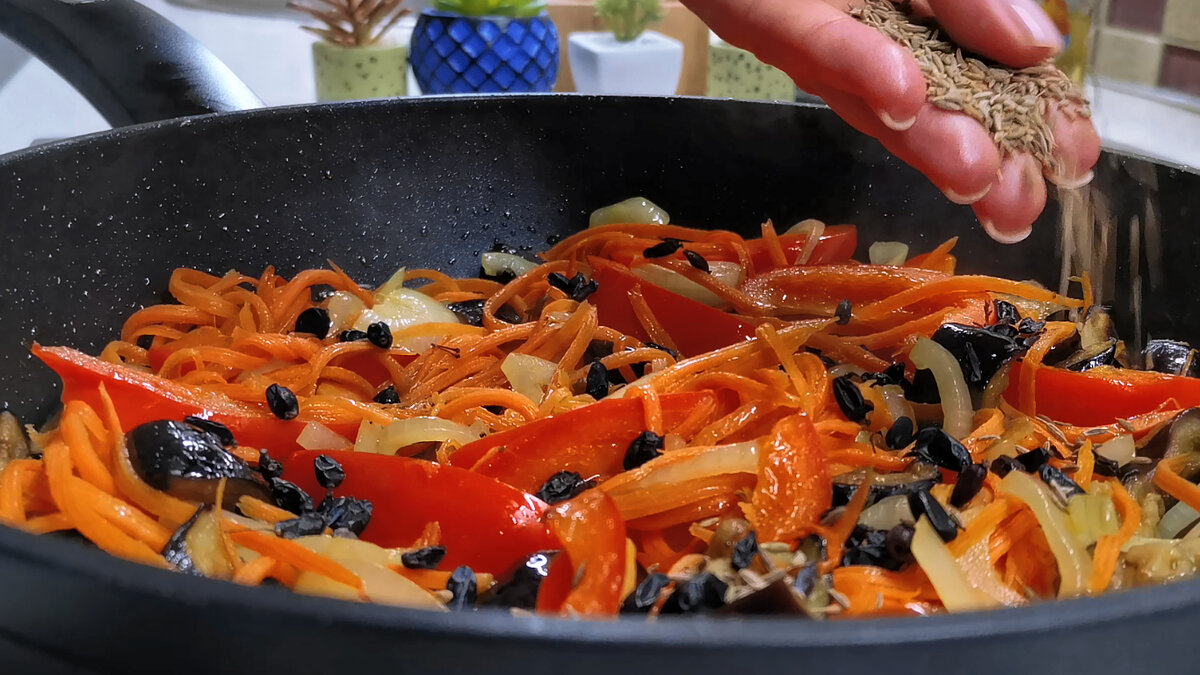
(1151, 42)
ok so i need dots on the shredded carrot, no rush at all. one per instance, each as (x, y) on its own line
(1108, 548)
(1087, 464)
(774, 248)
(1167, 479)
(253, 572)
(650, 324)
(256, 508)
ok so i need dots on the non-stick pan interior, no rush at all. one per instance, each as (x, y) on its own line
(95, 226)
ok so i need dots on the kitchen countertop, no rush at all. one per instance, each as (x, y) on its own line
(266, 49)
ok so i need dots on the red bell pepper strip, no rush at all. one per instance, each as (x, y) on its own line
(836, 245)
(484, 523)
(1099, 396)
(140, 397)
(794, 488)
(591, 441)
(695, 327)
(593, 539)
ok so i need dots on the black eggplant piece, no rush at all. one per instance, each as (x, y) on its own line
(980, 351)
(176, 551)
(189, 463)
(777, 597)
(1095, 356)
(1171, 357)
(522, 588)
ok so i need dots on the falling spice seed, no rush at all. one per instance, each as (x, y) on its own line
(1013, 105)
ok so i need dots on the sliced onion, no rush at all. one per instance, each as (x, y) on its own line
(394, 282)
(1092, 516)
(1074, 565)
(996, 387)
(635, 210)
(897, 404)
(368, 437)
(1120, 450)
(415, 430)
(495, 263)
(979, 571)
(948, 579)
(952, 386)
(528, 375)
(317, 436)
(813, 229)
(888, 253)
(1176, 520)
(685, 465)
(343, 307)
(403, 308)
(887, 513)
(729, 274)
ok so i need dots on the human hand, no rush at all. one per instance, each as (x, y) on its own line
(876, 85)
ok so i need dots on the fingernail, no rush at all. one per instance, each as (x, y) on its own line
(965, 200)
(1040, 27)
(1005, 237)
(891, 123)
(1073, 183)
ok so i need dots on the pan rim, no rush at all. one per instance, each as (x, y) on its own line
(16, 156)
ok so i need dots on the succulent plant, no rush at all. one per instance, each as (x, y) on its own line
(353, 23)
(627, 19)
(513, 8)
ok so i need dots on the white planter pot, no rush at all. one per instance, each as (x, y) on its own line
(649, 65)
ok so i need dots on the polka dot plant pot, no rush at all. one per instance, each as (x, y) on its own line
(350, 73)
(453, 54)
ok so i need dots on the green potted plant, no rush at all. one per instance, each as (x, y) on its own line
(736, 73)
(485, 46)
(352, 60)
(627, 59)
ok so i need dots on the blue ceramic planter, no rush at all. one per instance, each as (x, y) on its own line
(454, 54)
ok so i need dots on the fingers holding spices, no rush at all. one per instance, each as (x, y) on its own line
(1017, 33)
(1015, 201)
(1076, 148)
(953, 150)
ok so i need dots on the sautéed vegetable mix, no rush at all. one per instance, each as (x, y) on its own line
(648, 419)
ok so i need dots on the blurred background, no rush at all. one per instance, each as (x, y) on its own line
(1141, 59)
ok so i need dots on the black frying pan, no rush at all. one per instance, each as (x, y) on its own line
(93, 227)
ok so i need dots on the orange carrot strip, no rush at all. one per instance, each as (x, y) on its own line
(127, 518)
(1087, 464)
(1169, 481)
(87, 460)
(771, 238)
(1108, 548)
(12, 491)
(253, 507)
(645, 316)
(52, 522)
(837, 535)
(99, 531)
(253, 572)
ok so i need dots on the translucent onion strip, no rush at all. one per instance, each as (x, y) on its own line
(494, 263)
(1120, 450)
(888, 253)
(727, 273)
(529, 375)
(898, 406)
(952, 386)
(1074, 565)
(948, 579)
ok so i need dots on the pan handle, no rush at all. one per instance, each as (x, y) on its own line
(129, 62)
